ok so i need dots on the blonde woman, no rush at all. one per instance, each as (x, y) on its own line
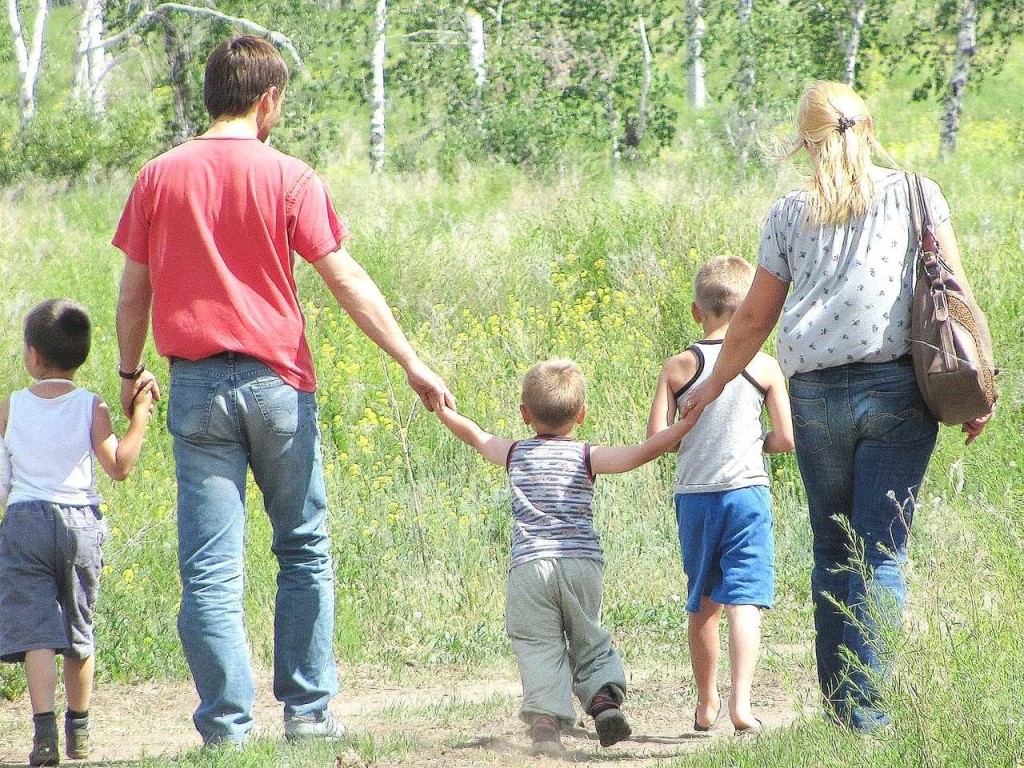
(836, 265)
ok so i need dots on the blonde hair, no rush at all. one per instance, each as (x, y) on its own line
(721, 284)
(836, 128)
(554, 392)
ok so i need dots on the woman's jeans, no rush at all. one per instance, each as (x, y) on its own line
(863, 440)
(229, 413)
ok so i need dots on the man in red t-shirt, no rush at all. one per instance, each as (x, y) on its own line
(209, 233)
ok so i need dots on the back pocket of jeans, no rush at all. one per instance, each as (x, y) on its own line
(810, 424)
(189, 407)
(279, 403)
(898, 418)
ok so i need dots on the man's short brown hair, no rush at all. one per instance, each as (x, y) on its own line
(721, 285)
(554, 392)
(239, 72)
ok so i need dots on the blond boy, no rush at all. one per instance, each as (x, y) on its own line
(723, 508)
(555, 587)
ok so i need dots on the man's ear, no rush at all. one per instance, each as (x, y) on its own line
(695, 313)
(582, 414)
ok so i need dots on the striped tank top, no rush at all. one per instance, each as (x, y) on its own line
(552, 496)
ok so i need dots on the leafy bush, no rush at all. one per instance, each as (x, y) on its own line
(58, 144)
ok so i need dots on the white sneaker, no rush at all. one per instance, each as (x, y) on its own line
(321, 725)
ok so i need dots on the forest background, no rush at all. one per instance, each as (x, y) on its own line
(525, 179)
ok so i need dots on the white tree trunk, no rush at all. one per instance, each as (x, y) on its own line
(377, 112)
(645, 86)
(746, 130)
(613, 123)
(92, 62)
(29, 58)
(966, 45)
(477, 50)
(851, 37)
(696, 87)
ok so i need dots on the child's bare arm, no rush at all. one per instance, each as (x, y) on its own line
(675, 373)
(610, 460)
(493, 449)
(776, 400)
(118, 457)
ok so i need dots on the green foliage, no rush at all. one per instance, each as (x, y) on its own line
(1000, 22)
(554, 87)
(58, 144)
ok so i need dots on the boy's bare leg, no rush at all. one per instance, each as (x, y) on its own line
(41, 674)
(744, 649)
(704, 652)
(78, 676)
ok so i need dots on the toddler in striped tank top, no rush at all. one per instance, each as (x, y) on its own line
(555, 585)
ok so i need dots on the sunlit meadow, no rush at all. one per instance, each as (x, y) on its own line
(489, 272)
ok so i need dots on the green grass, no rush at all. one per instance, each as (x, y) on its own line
(490, 271)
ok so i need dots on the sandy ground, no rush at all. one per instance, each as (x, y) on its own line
(443, 722)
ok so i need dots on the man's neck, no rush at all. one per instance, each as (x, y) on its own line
(235, 127)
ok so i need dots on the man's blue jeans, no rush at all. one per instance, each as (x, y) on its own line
(863, 440)
(228, 413)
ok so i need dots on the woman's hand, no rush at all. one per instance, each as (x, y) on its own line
(699, 398)
(974, 428)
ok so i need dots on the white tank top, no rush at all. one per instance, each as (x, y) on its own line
(724, 450)
(50, 443)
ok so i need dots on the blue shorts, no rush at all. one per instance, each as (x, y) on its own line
(728, 546)
(50, 562)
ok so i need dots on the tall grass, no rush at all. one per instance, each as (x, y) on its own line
(490, 271)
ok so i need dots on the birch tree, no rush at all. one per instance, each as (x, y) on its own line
(966, 45)
(155, 16)
(377, 102)
(92, 62)
(28, 54)
(963, 42)
(636, 128)
(696, 87)
(850, 37)
(477, 52)
(746, 82)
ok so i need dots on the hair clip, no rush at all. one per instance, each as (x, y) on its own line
(846, 122)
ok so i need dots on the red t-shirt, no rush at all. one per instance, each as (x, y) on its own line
(217, 221)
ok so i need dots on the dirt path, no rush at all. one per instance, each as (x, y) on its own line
(442, 721)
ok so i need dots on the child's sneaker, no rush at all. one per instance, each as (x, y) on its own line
(544, 735)
(45, 750)
(76, 738)
(612, 726)
(321, 725)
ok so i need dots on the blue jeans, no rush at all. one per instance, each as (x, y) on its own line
(863, 440)
(228, 413)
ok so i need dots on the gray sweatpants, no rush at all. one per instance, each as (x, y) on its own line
(553, 618)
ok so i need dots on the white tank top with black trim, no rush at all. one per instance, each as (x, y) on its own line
(724, 450)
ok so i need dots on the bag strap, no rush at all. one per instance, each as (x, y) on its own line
(920, 218)
(916, 200)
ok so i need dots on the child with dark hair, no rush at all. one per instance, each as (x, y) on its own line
(52, 530)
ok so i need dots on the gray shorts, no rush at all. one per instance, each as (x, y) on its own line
(50, 562)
